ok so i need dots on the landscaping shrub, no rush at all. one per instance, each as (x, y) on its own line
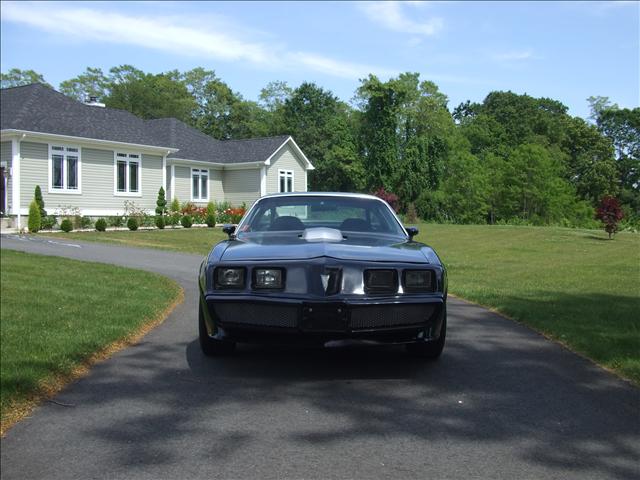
(390, 198)
(160, 222)
(132, 224)
(85, 222)
(40, 201)
(34, 217)
(116, 221)
(48, 222)
(66, 225)
(210, 218)
(161, 203)
(101, 225)
(186, 221)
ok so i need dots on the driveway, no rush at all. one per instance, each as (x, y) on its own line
(502, 402)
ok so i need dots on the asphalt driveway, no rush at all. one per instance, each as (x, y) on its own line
(502, 402)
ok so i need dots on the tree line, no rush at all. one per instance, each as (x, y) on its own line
(508, 159)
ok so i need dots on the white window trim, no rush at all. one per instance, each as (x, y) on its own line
(200, 170)
(65, 190)
(126, 178)
(285, 174)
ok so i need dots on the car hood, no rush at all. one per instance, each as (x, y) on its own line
(291, 247)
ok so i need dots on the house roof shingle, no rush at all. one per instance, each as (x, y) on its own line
(38, 108)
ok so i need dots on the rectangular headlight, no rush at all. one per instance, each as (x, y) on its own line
(380, 280)
(268, 278)
(418, 280)
(229, 277)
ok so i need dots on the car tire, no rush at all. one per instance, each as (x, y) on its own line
(430, 350)
(210, 346)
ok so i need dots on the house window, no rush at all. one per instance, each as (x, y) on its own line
(64, 171)
(199, 185)
(285, 181)
(127, 174)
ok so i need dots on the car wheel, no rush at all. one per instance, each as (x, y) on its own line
(431, 350)
(210, 346)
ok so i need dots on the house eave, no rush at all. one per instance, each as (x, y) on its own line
(7, 134)
(218, 166)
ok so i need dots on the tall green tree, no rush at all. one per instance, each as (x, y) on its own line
(16, 78)
(149, 96)
(92, 83)
(321, 125)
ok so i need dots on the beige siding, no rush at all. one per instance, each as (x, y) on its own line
(33, 171)
(216, 186)
(6, 157)
(241, 186)
(182, 183)
(286, 159)
(96, 180)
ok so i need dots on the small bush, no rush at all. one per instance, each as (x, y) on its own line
(160, 222)
(175, 205)
(85, 222)
(161, 203)
(48, 222)
(116, 221)
(40, 201)
(132, 224)
(211, 220)
(66, 225)
(101, 225)
(186, 221)
(34, 217)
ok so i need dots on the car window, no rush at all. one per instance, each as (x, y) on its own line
(296, 213)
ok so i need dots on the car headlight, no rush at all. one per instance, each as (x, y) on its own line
(268, 278)
(418, 281)
(229, 277)
(380, 280)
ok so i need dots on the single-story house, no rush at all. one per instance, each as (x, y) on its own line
(93, 158)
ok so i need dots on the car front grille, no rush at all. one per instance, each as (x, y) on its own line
(381, 316)
(261, 315)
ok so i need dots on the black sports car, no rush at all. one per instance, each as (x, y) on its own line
(322, 268)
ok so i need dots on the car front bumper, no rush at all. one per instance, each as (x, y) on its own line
(252, 319)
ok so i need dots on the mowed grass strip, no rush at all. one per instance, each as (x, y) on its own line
(192, 240)
(572, 285)
(57, 316)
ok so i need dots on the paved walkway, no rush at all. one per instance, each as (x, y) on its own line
(502, 402)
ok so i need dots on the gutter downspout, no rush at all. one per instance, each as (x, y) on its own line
(15, 179)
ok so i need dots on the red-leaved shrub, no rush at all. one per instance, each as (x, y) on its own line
(609, 213)
(390, 198)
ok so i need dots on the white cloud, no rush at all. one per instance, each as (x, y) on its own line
(513, 56)
(392, 15)
(174, 34)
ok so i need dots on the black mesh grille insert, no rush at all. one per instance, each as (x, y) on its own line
(263, 315)
(380, 316)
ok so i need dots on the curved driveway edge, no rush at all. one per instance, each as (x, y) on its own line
(503, 402)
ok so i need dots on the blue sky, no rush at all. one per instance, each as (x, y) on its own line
(563, 50)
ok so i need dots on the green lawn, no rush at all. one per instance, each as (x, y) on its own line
(573, 285)
(57, 315)
(193, 240)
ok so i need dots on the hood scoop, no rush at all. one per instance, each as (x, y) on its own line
(321, 234)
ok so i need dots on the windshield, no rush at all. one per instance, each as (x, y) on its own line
(296, 213)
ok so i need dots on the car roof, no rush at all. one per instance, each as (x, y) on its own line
(322, 194)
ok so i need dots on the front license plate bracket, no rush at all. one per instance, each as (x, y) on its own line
(324, 318)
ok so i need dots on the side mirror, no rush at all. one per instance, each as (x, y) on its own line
(229, 230)
(412, 231)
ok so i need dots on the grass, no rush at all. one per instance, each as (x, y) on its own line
(193, 240)
(572, 285)
(59, 316)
